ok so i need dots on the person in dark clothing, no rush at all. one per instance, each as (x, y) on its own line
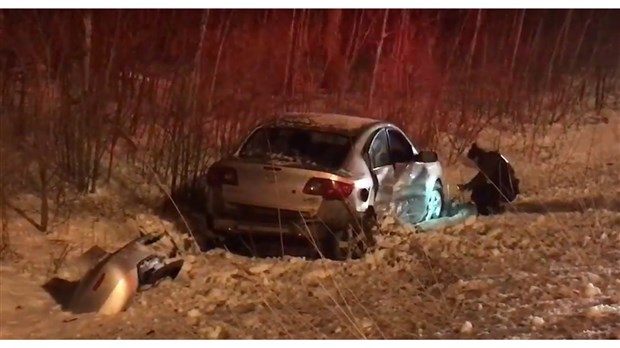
(494, 185)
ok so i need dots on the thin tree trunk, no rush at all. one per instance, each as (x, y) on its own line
(580, 42)
(89, 159)
(217, 62)
(350, 53)
(289, 57)
(45, 212)
(517, 42)
(565, 35)
(402, 50)
(556, 48)
(474, 42)
(375, 68)
(88, 35)
(5, 236)
(119, 101)
(199, 50)
(332, 46)
(534, 50)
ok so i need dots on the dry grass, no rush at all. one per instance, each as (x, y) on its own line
(497, 273)
(91, 121)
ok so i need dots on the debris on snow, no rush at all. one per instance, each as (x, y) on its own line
(466, 328)
(592, 277)
(537, 322)
(471, 220)
(591, 291)
(214, 332)
(366, 324)
(97, 289)
(518, 269)
(593, 312)
(318, 274)
(260, 268)
(194, 313)
(601, 310)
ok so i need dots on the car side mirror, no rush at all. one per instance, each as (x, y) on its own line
(426, 157)
(402, 157)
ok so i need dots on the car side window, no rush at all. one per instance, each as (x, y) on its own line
(400, 149)
(379, 151)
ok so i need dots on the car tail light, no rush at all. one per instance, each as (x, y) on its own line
(218, 176)
(328, 189)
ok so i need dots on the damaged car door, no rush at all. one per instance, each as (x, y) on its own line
(411, 178)
(400, 181)
(382, 170)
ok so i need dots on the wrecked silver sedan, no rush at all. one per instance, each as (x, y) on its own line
(324, 177)
(110, 286)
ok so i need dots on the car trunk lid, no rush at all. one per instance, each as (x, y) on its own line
(273, 185)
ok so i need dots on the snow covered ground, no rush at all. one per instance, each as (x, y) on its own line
(548, 268)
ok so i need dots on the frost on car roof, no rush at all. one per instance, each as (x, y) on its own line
(343, 124)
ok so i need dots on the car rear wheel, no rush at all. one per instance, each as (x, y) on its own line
(352, 241)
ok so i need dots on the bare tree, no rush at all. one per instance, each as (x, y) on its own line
(223, 35)
(332, 45)
(290, 56)
(375, 68)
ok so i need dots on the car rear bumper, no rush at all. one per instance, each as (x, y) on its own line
(233, 218)
(307, 229)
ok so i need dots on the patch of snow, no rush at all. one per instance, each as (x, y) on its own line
(466, 328)
(591, 291)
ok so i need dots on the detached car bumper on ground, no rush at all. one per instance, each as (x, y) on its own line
(110, 286)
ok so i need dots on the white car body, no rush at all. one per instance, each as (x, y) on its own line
(273, 195)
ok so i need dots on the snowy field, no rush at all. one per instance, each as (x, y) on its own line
(548, 268)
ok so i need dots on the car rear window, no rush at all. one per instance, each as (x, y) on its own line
(301, 146)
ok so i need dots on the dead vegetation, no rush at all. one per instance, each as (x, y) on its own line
(82, 102)
(72, 94)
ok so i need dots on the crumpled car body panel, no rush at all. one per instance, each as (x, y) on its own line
(404, 190)
(109, 287)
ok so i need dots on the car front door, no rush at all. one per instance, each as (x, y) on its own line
(382, 170)
(409, 189)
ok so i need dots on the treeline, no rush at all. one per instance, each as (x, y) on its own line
(170, 89)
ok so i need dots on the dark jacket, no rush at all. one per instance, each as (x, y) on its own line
(493, 168)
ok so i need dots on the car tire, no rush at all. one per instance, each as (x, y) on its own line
(353, 240)
(435, 203)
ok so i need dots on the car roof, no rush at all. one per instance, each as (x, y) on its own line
(336, 123)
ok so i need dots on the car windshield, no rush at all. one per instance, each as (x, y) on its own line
(296, 145)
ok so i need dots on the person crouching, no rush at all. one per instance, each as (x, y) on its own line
(495, 185)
